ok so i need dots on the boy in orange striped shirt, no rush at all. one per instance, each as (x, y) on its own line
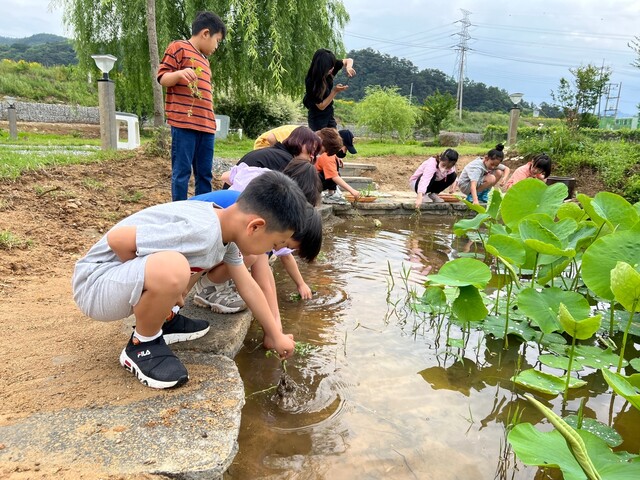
(186, 74)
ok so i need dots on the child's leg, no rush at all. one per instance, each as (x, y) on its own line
(166, 277)
(487, 182)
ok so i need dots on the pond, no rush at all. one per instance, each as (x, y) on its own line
(380, 394)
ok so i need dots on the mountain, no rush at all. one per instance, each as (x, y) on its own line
(43, 48)
(37, 39)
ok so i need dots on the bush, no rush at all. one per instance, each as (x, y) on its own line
(385, 112)
(257, 114)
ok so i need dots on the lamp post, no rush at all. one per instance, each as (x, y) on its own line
(107, 102)
(514, 115)
(12, 118)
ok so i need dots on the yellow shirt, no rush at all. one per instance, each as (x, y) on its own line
(280, 133)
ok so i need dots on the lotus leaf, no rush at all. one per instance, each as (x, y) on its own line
(602, 256)
(545, 382)
(469, 306)
(579, 329)
(531, 196)
(625, 285)
(462, 272)
(615, 210)
(507, 247)
(627, 387)
(543, 306)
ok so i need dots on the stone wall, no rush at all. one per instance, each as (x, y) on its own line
(51, 113)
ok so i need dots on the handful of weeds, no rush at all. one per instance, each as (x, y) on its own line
(287, 387)
(193, 86)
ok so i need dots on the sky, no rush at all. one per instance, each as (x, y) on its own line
(514, 45)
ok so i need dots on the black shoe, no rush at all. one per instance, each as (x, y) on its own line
(181, 329)
(153, 363)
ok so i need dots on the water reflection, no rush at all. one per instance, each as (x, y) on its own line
(383, 396)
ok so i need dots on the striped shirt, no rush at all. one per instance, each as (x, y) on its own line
(183, 108)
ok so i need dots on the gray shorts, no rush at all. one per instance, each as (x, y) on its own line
(111, 291)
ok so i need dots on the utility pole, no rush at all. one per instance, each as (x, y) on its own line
(462, 48)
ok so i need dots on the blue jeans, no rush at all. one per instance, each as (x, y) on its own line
(190, 149)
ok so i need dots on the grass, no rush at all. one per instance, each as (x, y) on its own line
(9, 240)
(377, 148)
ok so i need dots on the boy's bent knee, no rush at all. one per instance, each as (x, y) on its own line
(168, 271)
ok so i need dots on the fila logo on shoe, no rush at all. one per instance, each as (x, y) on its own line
(144, 354)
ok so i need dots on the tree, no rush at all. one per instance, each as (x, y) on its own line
(436, 111)
(579, 100)
(384, 111)
(268, 48)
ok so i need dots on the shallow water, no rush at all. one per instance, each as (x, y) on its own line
(379, 396)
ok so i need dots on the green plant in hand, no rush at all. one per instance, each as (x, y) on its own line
(193, 86)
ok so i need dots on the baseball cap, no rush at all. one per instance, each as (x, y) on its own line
(347, 140)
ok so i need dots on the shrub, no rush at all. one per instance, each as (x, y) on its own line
(385, 112)
(257, 114)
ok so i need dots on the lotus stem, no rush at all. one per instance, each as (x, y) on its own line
(626, 334)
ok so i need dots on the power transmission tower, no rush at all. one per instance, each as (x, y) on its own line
(612, 91)
(462, 48)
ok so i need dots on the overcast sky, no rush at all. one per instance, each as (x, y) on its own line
(518, 46)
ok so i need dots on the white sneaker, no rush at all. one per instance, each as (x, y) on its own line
(426, 198)
(435, 198)
(336, 199)
(221, 298)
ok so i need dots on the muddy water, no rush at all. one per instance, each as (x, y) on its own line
(379, 396)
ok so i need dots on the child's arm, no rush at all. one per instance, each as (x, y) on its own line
(263, 275)
(453, 186)
(345, 186)
(419, 199)
(291, 267)
(257, 303)
(505, 175)
(170, 79)
(334, 91)
(474, 192)
(122, 241)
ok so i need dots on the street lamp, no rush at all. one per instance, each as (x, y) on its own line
(107, 102)
(12, 117)
(514, 115)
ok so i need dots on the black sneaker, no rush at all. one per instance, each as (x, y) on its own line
(153, 363)
(181, 329)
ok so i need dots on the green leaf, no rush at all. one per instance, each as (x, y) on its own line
(469, 306)
(495, 199)
(595, 357)
(507, 247)
(599, 429)
(462, 272)
(588, 208)
(495, 326)
(461, 227)
(541, 239)
(434, 297)
(625, 285)
(543, 306)
(531, 196)
(570, 210)
(561, 363)
(545, 382)
(627, 387)
(615, 210)
(603, 255)
(580, 329)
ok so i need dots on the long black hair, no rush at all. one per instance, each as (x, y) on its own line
(323, 61)
(543, 162)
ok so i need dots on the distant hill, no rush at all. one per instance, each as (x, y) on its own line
(44, 48)
(37, 39)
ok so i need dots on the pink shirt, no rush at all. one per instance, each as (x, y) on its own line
(428, 170)
(521, 173)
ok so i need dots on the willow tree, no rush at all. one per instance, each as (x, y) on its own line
(268, 48)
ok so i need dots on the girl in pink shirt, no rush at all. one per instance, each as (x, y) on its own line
(433, 176)
(539, 167)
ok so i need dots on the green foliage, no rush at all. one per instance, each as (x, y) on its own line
(9, 240)
(33, 81)
(48, 50)
(437, 111)
(256, 54)
(385, 112)
(344, 111)
(257, 114)
(579, 96)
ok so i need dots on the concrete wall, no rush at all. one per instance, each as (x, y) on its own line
(51, 113)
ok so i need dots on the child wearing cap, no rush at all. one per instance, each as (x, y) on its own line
(328, 167)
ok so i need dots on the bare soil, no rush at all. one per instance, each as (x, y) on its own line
(51, 356)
